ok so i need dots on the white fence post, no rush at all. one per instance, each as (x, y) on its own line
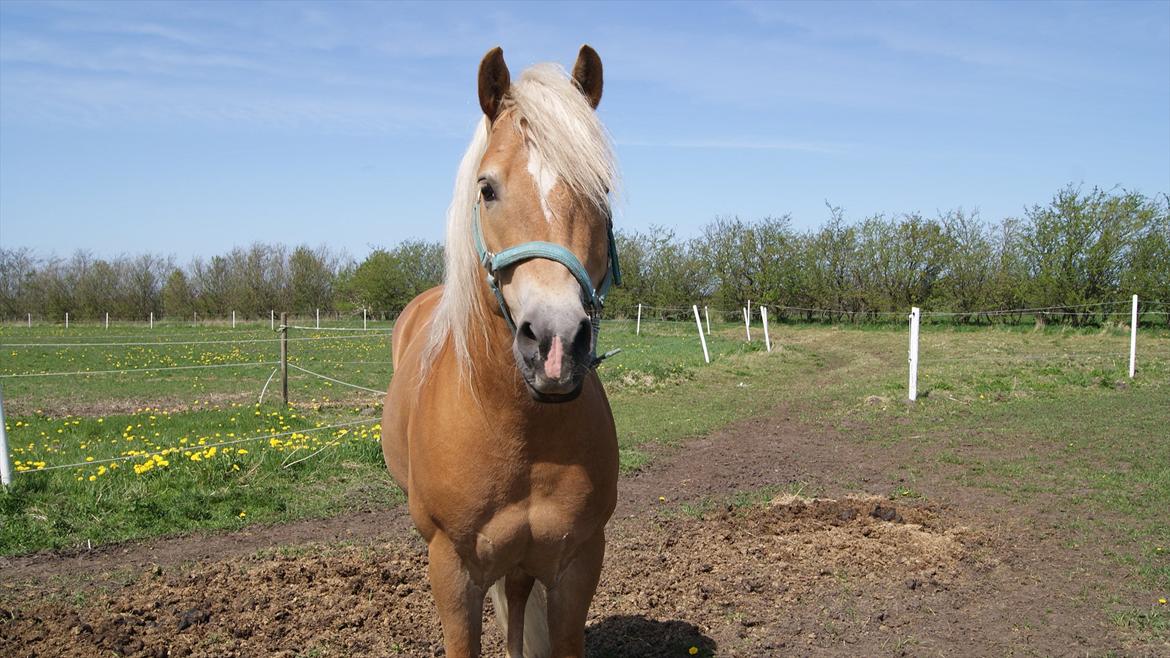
(1133, 321)
(318, 318)
(767, 339)
(107, 320)
(272, 319)
(5, 465)
(233, 319)
(638, 329)
(915, 313)
(194, 318)
(747, 325)
(152, 319)
(702, 338)
(363, 317)
(30, 320)
(66, 319)
(707, 317)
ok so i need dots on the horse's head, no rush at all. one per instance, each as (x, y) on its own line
(543, 184)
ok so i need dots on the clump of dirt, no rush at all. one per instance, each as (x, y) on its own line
(794, 575)
(797, 575)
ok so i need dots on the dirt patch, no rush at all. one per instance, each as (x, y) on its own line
(855, 576)
(725, 583)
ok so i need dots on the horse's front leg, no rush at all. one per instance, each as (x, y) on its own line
(458, 598)
(568, 601)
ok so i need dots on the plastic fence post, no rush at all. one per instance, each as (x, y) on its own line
(363, 317)
(272, 319)
(702, 338)
(638, 329)
(747, 325)
(66, 319)
(107, 320)
(284, 358)
(318, 318)
(915, 313)
(1133, 324)
(152, 319)
(764, 316)
(5, 465)
(707, 317)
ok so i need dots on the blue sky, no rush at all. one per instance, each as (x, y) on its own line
(186, 129)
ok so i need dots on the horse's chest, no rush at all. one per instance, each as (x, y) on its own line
(540, 534)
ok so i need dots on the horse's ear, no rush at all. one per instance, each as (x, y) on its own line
(587, 74)
(493, 82)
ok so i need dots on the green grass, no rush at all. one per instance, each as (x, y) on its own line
(177, 479)
(221, 365)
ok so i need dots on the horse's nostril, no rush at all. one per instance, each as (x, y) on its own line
(584, 335)
(526, 331)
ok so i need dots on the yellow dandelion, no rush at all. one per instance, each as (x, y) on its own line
(693, 650)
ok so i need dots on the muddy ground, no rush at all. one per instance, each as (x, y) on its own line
(837, 571)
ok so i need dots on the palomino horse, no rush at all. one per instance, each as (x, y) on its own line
(496, 424)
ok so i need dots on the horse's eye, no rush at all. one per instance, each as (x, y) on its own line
(486, 190)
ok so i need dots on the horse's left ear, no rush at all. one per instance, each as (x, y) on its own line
(494, 82)
(587, 74)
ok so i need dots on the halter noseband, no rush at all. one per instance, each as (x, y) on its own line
(592, 299)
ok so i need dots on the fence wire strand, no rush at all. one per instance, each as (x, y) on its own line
(336, 381)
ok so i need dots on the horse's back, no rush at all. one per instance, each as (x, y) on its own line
(410, 335)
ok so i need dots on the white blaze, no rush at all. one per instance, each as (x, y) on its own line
(545, 179)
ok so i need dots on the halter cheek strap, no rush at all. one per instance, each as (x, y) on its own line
(592, 299)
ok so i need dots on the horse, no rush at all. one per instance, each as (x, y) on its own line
(495, 424)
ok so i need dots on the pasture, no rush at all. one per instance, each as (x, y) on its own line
(771, 503)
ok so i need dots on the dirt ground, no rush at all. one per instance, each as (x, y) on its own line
(841, 574)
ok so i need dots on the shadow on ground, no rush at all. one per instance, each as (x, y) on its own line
(635, 636)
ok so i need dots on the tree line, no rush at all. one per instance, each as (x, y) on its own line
(1074, 256)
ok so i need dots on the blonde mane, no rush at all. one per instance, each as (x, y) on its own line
(560, 125)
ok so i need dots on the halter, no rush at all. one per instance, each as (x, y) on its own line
(592, 299)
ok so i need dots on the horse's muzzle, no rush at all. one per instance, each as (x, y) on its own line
(554, 355)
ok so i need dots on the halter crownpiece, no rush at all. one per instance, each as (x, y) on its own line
(592, 299)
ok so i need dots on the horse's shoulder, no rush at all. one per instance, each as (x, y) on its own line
(414, 317)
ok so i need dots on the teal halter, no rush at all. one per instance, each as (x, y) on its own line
(592, 299)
